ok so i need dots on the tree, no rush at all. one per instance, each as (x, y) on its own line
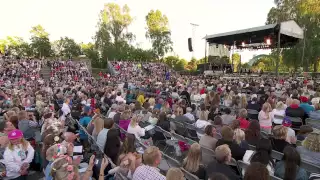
(159, 33)
(66, 47)
(236, 60)
(307, 14)
(40, 41)
(91, 53)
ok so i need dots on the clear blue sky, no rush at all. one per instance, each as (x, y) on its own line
(78, 18)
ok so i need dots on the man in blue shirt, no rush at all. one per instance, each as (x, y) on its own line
(84, 121)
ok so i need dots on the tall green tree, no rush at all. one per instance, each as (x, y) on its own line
(307, 14)
(236, 60)
(66, 47)
(93, 54)
(159, 33)
(40, 41)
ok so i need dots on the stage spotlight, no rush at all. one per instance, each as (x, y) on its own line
(243, 44)
(268, 41)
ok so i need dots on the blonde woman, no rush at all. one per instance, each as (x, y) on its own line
(174, 174)
(289, 101)
(98, 126)
(278, 113)
(243, 101)
(239, 138)
(17, 156)
(279, 138)
(310, 149)
(265, 118)
(134, 127)
(192, 161)
(152, 102)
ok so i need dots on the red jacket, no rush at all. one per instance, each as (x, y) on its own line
(244, 124)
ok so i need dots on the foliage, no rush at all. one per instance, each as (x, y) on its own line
(66, 47)
(307, 14)
(159, 33)
(40, 42)
(175, 63)
(236, 61)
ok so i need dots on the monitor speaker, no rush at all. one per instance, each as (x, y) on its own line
(190, 44)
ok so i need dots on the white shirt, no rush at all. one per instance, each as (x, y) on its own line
(201, 124)
(277, 112)
(13, 160)
(190, 116)
(102, 138)
(137, 131)
(65, 109)
(111, 114)
(290, 134)
(120, 99)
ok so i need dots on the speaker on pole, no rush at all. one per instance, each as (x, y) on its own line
(190, 44)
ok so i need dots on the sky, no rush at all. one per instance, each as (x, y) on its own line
(78, 19)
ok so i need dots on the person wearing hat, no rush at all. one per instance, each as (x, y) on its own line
(288, 123)
(305, 105)
(17, 156)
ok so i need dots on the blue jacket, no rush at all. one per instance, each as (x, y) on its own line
(84, 121)
(307, 107)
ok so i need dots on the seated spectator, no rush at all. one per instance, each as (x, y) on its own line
(235, 124)
(239, 138)
(227, 138)
(192, 162)
(218, 176)
(113, 145)
(310, 149)
(289, 167)
(295, 111)
(27, 124)
(180, 117)
(316, 113)
(134, 127)
(279, 111)
(202, 122)
(262, 154)
(175, 174)
(3, 136)
(125, 119)
(265, 118)
(152, 158)
(253, 104)
(153, 119)
(279, 139)
(305, 105)
(129, 159)
(217, 123)
(303, 132)
(208, 140)
(102, 136)
(220, 165)
(189, 114)
(287, 123)
(17, 156)
(112, 111)
(227, 118)
(244, 123)
(98, 125)
(252, 133)
(254, 169)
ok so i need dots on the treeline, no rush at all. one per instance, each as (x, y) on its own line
(112, 41)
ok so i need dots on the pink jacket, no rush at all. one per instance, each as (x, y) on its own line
(265, 120)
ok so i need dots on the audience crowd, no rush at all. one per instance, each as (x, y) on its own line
(146, 122)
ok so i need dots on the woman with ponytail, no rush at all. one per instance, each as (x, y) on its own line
(262, 154)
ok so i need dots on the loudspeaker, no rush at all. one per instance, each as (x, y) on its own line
(190, 44)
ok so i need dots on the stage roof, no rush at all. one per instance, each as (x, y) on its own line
(290, 31)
